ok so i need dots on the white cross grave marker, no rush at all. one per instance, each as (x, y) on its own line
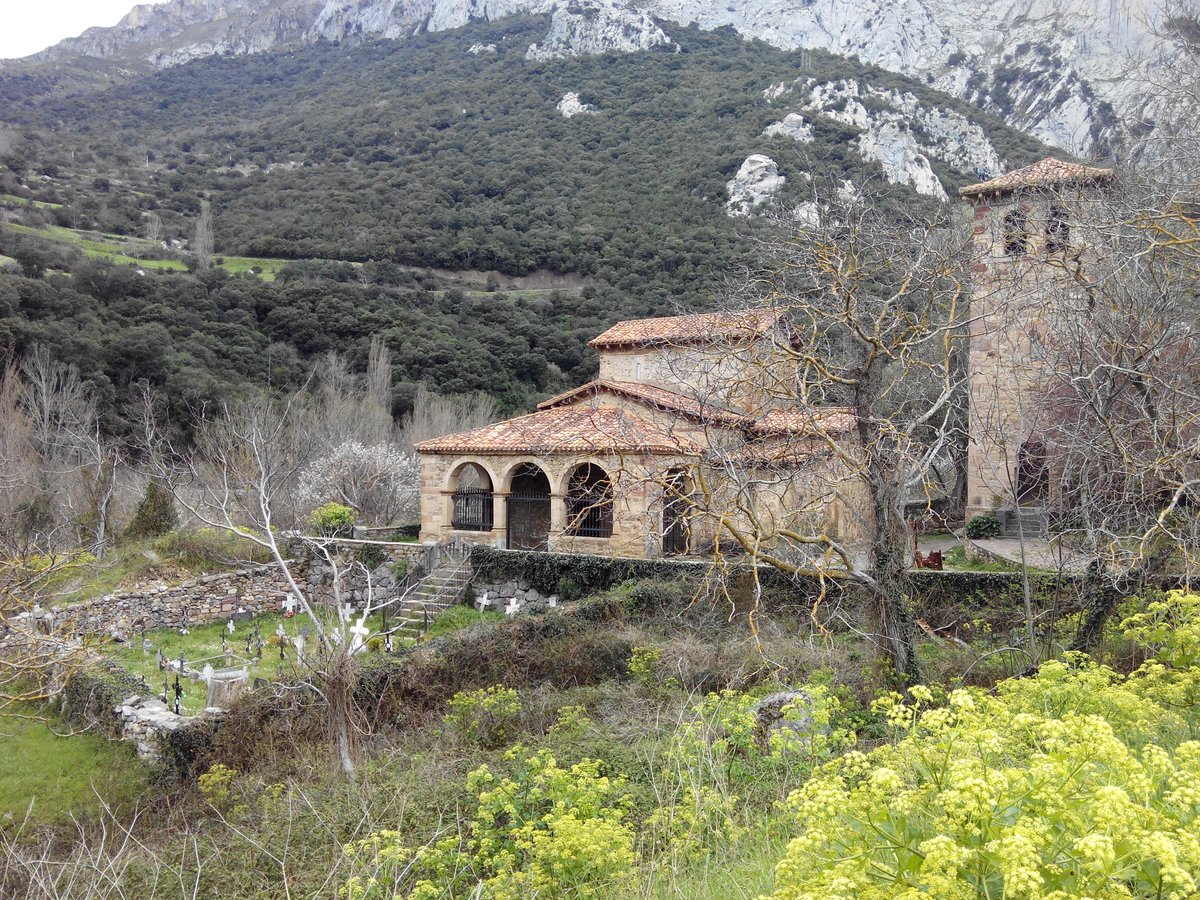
(289, 604)
(229, 625)
(360, 632)
(482, 603)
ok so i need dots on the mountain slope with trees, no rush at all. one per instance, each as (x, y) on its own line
(394, 159)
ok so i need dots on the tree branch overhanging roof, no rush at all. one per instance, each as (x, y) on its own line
(1045, 173)
(700, 329)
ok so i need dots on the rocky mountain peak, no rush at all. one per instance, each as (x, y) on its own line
(1066, 71)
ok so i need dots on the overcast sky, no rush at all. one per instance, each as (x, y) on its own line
(27, 26)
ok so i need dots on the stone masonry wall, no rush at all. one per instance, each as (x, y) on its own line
(143, 722)
(510, 596)
(200, 601)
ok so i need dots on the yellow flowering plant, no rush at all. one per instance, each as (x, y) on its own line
(543, 831)
(1075, 783)
(487, 717)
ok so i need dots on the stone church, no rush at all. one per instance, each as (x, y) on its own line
(608, 467)
(1027, 248)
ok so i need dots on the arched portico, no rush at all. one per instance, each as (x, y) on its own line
(528, 507)
(472, 498)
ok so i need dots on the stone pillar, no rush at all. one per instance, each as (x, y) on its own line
(500, 519)
(558, 519)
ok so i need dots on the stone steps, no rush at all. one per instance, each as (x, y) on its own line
(436, 593)
(1031, 521)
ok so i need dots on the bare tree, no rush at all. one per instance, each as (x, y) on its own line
(434, 415)
(202, 240)
(242, 476)
(855, 406)
(153, 227)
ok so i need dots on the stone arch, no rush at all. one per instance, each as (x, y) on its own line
(480, 470)
(472, 501)
(1058, 229)
(527, 507)
(589, 501)
(1016, 233)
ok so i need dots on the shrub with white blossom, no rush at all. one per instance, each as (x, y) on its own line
(380, 482)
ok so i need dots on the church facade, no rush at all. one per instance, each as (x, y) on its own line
(610, 467)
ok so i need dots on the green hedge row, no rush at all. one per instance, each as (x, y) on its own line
(572, 576)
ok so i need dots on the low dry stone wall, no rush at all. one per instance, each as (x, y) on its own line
(144, 722)
(207, 599)
(510, 596)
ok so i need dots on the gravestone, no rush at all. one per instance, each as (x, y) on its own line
(225, 685)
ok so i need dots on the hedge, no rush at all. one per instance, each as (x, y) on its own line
(89, 698)
(934, 593)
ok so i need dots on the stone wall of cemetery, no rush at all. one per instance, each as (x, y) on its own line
(202, 600)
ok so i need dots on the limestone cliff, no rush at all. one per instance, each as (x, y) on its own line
(1066, 71)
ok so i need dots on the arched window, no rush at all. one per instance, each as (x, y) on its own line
(474, 502)
(589, 502)
(1058, 230)
(1016, 234)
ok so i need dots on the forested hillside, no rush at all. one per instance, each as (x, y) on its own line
(369, 166)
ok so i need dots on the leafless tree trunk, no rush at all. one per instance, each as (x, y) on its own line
(202, 240)
(242, 477)
(866, 381)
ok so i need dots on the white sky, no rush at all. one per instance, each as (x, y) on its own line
(27, 26)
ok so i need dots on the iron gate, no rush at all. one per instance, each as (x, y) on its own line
(472, 510)
(528, 521)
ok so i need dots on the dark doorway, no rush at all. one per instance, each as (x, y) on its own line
(529, 509)
(1033, 474)
(675, 530)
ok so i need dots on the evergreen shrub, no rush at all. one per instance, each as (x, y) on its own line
(155, 515)
(983, 527)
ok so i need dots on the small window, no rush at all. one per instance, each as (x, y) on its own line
(1016, 234)
(1058, 230)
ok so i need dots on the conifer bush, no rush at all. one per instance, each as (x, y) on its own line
(155, 515)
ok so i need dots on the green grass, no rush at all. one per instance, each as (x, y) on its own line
(955, 558)
(25, 201)
(50, 777)
(459, 617)
(177, 556)
(749, 873)
(267, 268)
(202, 644)
(115, 247)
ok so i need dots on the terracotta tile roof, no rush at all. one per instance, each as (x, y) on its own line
(564, 430)
(1044, 173)
(651, 395)
(827, 419)
(697, 329)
